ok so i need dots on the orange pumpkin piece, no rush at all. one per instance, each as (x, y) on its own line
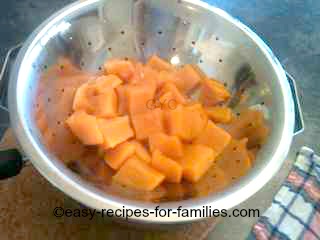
(122, 99)
(141, 151)
(177, 96)
(250, 124)
(159, 64)
(170, 146)
(186, 122)
(139, 97)
(96, 99)
(105, 82)
(170, 168)
(85, 127)
(235, 160)
(136, 174)
(187, 79)
(213, 181)
(115, 131)
(253, 154)
(196, 161)
(219, 114)
(148, 123)
(195, 121)
(213, 93)
(123, 69)
(214, 137)
(165, 77)
(117, 156)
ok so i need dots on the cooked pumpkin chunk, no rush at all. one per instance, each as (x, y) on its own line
(159, 64)
(213, 181)
(107, 81)
(85, 127)
(196, 161)
(170, 168)
(214, 137)
(121, 68)
(122, 99)
(187, 79)
(148, 123)
(115, 157)
(115, 131)
(136, 174)
(177, 96)
(96, 100)
(195, 121)
(186, 122)
(171, 146)
(219, 114)
(213, 93)
(141, 151)
(138, 98)
(235, 160)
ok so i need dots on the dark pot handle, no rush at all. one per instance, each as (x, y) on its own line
(299, 124)
(11, 161)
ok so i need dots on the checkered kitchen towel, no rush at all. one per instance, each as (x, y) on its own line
(295, 210)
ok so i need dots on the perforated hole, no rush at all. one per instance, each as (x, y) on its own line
(193, 43)
(220, 60)
(201, 61)
(160, 32)
(225, 84)
(142, 44)
(61, 67)
(49, 99)
(122, 32)
(262, 103)
(99, 68)
(110, 49)
(217, 38)
(89, 43)
(174, 49)
(45, 66)
(81, 63)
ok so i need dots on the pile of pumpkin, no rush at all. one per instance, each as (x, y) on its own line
(147, 146)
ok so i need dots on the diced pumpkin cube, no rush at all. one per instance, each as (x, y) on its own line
(96, 99)
(170, 146)
(166, 77)
(250, 124)
(219, 114)
(174, 120)
(234, 160)
(213, 181)
(106, 82)
(187, 79)
(148, 123)
(121, 68)
(170, 168)
(150, 77)
(214, 137)
(136, 174)
(115, 131)
(80, 101)
(195, 120)
(159, 64)
(186, 122)
(139, 97)
(178, 97)
(104, 104)
(122, 99)
(117, 156)
(166, 102)
(213, 93)
(196, 161)
(85, 127)
(141, 151)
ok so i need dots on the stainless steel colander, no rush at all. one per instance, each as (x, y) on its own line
(182, 31)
